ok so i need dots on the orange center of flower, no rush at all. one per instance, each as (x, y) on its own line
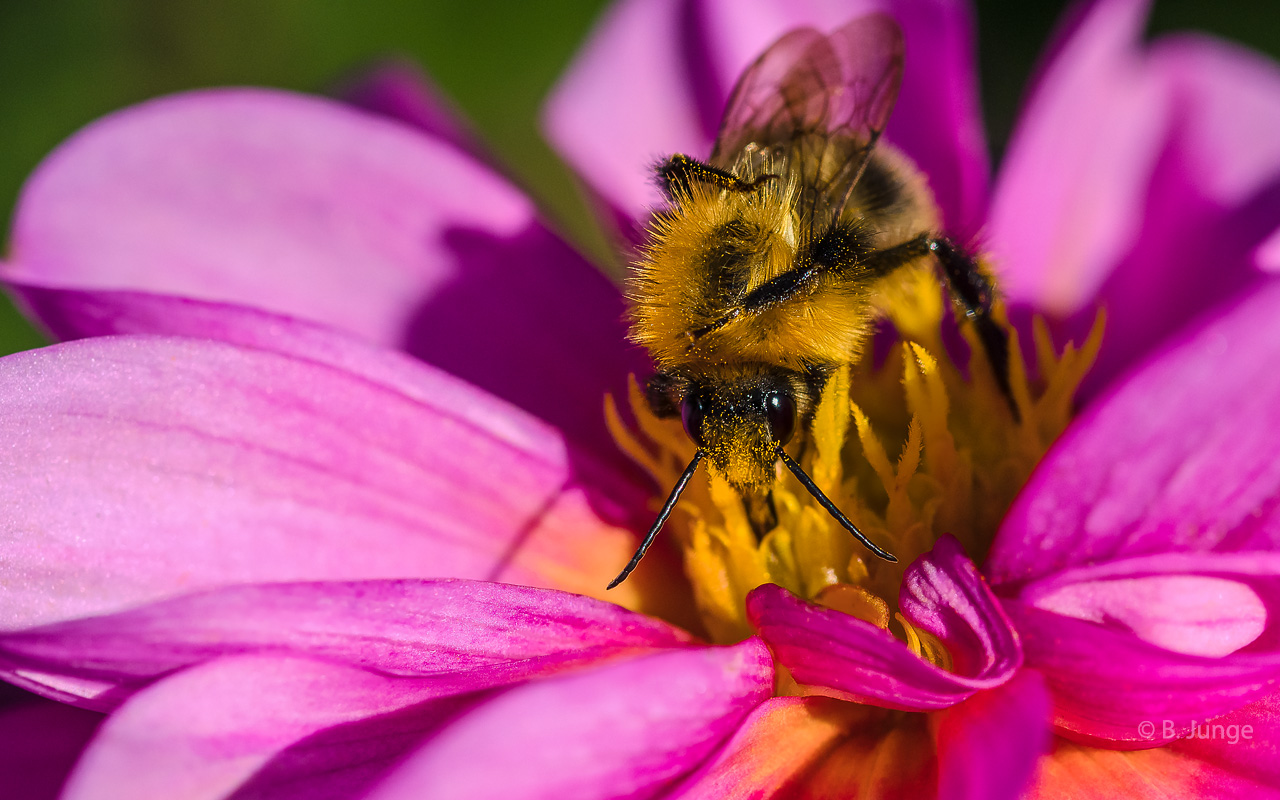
(909, 451)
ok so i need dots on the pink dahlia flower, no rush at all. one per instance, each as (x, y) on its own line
(311, 503)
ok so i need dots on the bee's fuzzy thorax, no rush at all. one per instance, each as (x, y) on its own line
(709, 250)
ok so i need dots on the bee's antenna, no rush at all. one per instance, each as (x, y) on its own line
(662, 517)
(826, 503)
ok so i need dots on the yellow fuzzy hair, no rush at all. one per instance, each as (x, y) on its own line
(672, 295)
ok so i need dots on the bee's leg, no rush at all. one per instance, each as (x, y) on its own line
(678, 173)
(782, 288)
(976, 294)
(761, 511)
(841, 251)
(966, 284)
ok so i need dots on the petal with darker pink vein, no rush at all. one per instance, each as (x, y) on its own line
(463, 635)
(310, 208)
(624, 730)
(834, 652)
(143, 467)
(1180, 457)
(677, 60)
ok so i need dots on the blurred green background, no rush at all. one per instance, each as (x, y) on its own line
(65, 62)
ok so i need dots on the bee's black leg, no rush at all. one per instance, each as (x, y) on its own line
(677, 175)
(839, 250)
(976, 294)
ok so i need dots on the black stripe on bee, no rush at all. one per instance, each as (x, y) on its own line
(880, 191)
(727, 256)
(840, 247)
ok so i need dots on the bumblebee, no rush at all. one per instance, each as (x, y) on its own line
(764, 273)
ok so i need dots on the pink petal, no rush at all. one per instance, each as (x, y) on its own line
(1214, 198)
(1120, 650)
(268, 726)
(626, 101)
(944, 593)
(990, 745)
(1179, 457)
(654, 77)
(622, 730)
(312, 209)
(1245, 742)
(1226, 106)
(1201, 605)
(75, 314)
(1068, 199)
(847, 657)
(465, 635)
(1131, 171)
(39, 742)
(142, 467)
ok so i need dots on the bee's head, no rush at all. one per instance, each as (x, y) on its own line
(740, 426)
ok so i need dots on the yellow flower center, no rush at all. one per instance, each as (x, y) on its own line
(909, 450)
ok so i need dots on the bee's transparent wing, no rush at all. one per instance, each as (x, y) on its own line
(809, 89)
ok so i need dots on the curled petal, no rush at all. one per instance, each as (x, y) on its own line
(942, 593)
(622, 730)
(463, 635)
(313, 209)
(1179, 457)
(1136, 651)
(626, 102)
(149, 467)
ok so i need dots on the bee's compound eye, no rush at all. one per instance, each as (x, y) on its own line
(780, 408)
(693, 410)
